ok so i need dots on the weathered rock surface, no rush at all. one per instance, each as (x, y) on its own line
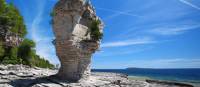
(24, 76)
(74, 44)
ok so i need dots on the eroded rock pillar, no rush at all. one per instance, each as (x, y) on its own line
(74, 43)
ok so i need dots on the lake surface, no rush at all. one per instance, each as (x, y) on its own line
(179, 75)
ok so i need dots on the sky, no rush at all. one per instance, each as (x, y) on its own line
(137, 33)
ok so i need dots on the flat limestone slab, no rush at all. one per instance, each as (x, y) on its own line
(20, 77)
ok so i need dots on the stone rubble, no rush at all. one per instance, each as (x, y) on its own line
(25, 76)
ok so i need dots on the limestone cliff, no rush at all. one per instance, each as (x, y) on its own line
(77, 38)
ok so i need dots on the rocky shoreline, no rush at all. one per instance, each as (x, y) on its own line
(25, 76)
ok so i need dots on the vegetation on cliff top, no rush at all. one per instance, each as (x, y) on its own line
(12, 21)
(95, 30)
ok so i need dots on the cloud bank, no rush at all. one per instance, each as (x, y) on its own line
(140, 41)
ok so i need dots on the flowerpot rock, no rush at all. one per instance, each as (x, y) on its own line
(74, 42)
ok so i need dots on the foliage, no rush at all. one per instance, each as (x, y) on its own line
(2, 6)
(1, 50)
(95, 30)
(11, 20)
(25, 51)
(41, 62)
(52, 14)
(18, 26)
(28, 55)
(12, 57)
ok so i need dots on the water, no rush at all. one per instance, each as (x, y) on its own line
(178, 75)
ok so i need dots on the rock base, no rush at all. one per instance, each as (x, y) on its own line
(24, 76)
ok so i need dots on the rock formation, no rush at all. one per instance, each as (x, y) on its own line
(78, 32)
(25, 76)
(9, 38)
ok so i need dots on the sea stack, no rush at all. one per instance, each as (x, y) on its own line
(78, 32)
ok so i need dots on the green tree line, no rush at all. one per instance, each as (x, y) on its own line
(24, 53)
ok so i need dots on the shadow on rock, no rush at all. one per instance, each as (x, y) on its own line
(40, 81)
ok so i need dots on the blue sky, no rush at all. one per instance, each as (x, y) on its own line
(138, 33)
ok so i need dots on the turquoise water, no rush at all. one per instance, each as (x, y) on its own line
(178, 75)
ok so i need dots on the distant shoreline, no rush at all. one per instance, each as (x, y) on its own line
(184, 76)
(144, 78)
(180, 75)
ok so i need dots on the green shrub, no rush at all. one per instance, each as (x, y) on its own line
(41, 62)
(25, 51)
(95, 30)
(1, 50)
(52, 14)
(11, 20)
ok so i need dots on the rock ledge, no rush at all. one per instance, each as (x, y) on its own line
(25, 76)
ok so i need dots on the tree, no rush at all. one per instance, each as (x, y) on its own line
(12, 23)
(12, 58)
(1, 51)
(17, 26)
(41, 62)
(2, 6)
(25, 51)
(11, 19)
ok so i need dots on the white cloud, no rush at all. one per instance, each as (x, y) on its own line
(35, 24)
(189, 4)
(139, 41)
(122, 52)
(44, 46)
(115, 15)
(173, 30)
(119, 12)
